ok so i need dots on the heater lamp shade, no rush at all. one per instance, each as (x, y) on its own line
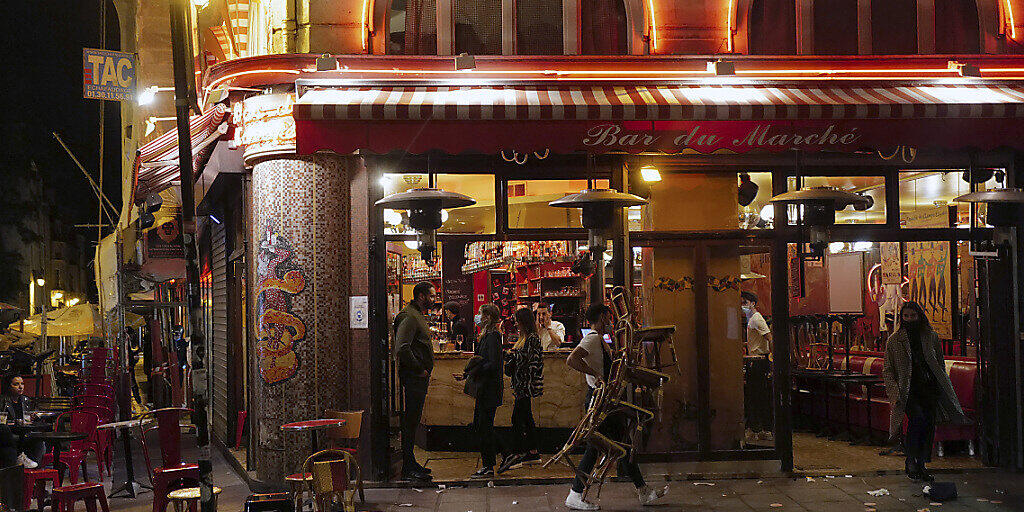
(1006, 195)
(425, 198)
(840, 198)
(598, 197)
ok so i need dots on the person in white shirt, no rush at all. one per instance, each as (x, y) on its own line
(551, 332)
(759, 335)
(593, 358)
(757, 401)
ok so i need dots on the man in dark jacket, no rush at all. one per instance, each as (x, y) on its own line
(415, 354)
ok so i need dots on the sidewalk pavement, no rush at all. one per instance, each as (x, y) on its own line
(979, 492)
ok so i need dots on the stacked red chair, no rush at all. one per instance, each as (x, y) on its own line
(35, 486)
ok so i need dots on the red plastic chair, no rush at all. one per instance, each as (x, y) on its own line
(102, 440)
(97, 400)
(64, 498)
(173, 473)
(80, 421)
(95, 389)
(34, 486)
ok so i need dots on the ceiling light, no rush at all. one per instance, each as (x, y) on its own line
(412, 244)
(326, 62)
(73, 301)
(464, 61)
(722, 68)
(836, 247)
(392, 217)
(200, 3)
(768, 212)
(147, 95)
(650, 173)
(444, 216)
(863, 246)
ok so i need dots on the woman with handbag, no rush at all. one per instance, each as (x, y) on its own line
(485, 383)
(525, 365)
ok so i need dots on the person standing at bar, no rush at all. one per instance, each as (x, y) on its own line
(918, 386)
(593, 358)
(526, 367)
(458, 331)
(487, 374)
(415, 354)
(759, 339)
(551, 332)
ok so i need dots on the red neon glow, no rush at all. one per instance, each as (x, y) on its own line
(654, 26)
(366, 4)
(729, 24)
(1009, 12)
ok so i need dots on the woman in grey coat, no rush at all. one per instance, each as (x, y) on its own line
(918, 387)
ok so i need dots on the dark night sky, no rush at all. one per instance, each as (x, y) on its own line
(43, 93)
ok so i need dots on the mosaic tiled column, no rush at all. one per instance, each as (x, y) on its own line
(299, 250)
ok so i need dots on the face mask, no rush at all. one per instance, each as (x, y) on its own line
(477, 319)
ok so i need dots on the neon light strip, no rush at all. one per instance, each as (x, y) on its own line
(728, 25)
(1013, 28)
(225, 78)
(654, 26)
(366, 4)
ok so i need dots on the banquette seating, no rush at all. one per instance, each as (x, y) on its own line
(962, 371)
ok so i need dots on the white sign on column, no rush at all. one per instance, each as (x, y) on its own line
(358, 312)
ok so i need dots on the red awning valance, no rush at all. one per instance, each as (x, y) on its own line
(156, 162)
(671, 118)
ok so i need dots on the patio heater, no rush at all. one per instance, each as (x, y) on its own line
(816, 209)
(424, 206)
(1005, 210)
(599, 205)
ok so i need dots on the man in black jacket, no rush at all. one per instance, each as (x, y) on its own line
(415, 354)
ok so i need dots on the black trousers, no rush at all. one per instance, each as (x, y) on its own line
(615, 429)
(483, 420)
(757, 402)
(920, 428)
(415, 390)
(524, 429)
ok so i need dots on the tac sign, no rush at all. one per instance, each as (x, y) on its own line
(108, 75)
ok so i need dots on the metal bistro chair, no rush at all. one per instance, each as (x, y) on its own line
(74, 457)
(347, 437)
(331, 472)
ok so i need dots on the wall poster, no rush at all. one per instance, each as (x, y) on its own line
(929, 274)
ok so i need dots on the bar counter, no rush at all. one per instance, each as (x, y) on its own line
(561, 406)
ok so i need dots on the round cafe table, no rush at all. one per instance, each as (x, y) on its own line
(55, 439)
(129, 488)
(312, 426)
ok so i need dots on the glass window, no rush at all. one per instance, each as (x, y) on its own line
(538, 27)
(873, 186)
(894, 27)
(835, 27)
(698, 202)
(528, 203)
(773, 27)
(926, 197)
(477, 27)
(478, 219)
(412, 27)
(603, 29)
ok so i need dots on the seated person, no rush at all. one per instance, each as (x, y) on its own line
(17, 406)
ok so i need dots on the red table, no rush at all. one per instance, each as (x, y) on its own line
(313, 426)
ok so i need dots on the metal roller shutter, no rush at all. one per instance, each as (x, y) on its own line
(219, 333)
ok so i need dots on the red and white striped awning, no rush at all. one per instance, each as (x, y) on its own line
(156, 162)
(658, 102)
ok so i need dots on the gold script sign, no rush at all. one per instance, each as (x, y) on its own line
(265, 126)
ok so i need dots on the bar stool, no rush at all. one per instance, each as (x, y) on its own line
(189, 496)
(34, 486)
(64, 498)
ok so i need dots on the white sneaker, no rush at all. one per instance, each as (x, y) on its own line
(27, 462)
(648, 495)
(575, 501)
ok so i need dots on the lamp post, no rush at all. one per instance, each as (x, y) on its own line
(43, 309)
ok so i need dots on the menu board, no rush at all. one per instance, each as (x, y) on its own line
(456, 286)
